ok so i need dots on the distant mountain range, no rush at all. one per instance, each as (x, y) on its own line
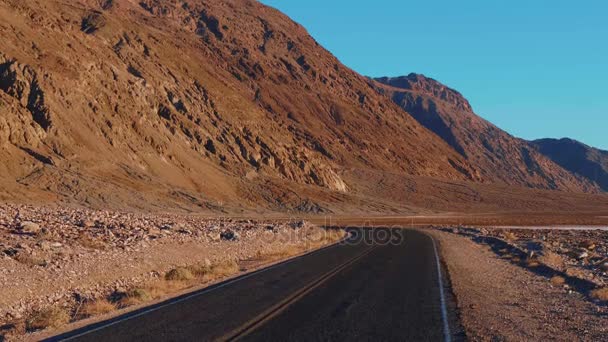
(230, 106)
(496, 155)
(578, 158)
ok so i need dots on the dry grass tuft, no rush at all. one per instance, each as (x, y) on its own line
(575, 272)
(136, 296)
(558, 281)
(531, 262)
(553, 260)
(30, 260)
(54, 317)
(225, 269)
(179, 274)
(97, 307)
(600, 294)
(285, 252)
(215, 271)
(161, 288)
(90, 243)
(516, 259)
(510, 236)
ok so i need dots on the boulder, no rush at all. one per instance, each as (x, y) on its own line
(229, 235)
(297, 224)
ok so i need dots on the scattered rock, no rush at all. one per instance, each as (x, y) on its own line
(166, 227)
(297, 224)
(582, 255)
(229, 235)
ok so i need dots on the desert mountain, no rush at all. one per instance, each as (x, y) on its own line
(578, 158)
(499, 157)
(224, 105)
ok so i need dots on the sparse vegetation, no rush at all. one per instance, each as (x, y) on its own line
(558, 281)
(88, 242)
(510, 236)
(30, 260)
(600, 294)
(179, 274)
(135, 297)
(552, 259)
(285, 252)
(532, 262)
(575, 272)
(47, 318)
(215, 271)
(97, 307)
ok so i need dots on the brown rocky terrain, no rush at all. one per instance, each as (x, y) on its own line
(504, 299)
(186, 101)
(498, 156)
(223, 106)
(64, 258)
(578, 158)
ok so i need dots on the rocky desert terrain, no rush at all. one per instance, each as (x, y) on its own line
(231, 107)
(61, 261)
(134, 133)
(505, 292)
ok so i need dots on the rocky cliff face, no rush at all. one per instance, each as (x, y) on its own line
(216, 105)
(189, 98)
(499, 157)
(578, 158)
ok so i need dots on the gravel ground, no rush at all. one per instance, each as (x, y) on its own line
(502, 301)
(62, 256)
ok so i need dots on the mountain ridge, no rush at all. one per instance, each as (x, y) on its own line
(220, 106)
(447, 113)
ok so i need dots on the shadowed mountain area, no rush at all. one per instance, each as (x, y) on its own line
(229, 106)
(499, 157)
(578, 158)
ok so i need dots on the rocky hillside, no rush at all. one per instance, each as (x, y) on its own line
(578, 158)
(107, 100)
(219, 105)
(498, 156)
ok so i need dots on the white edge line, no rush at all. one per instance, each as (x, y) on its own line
(196, 294)
(444, 312)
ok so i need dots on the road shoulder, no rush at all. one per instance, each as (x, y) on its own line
(501, 301)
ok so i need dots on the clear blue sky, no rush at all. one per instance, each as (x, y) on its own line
(536, 68)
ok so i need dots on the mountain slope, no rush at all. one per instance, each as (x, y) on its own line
(578, 158)
(498, 156)
(198, 99)
(219, 105)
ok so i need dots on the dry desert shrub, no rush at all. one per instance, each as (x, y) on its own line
(600, 294)
(90, 243)
(162, 288)
(510, 236)
(532, 262)
(285, 252)
(557, 281)
(179, 274)
(47, 318)
(225, 269)
(135, 296)
(97, 307)
(552, 259)
(215, 271)
(30, 260)
(575, 272)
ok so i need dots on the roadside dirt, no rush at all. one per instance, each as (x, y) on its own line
(500, 301)
(68, 259)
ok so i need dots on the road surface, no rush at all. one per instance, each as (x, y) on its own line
(380, 285)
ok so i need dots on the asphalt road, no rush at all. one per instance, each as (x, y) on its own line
(381, 285)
